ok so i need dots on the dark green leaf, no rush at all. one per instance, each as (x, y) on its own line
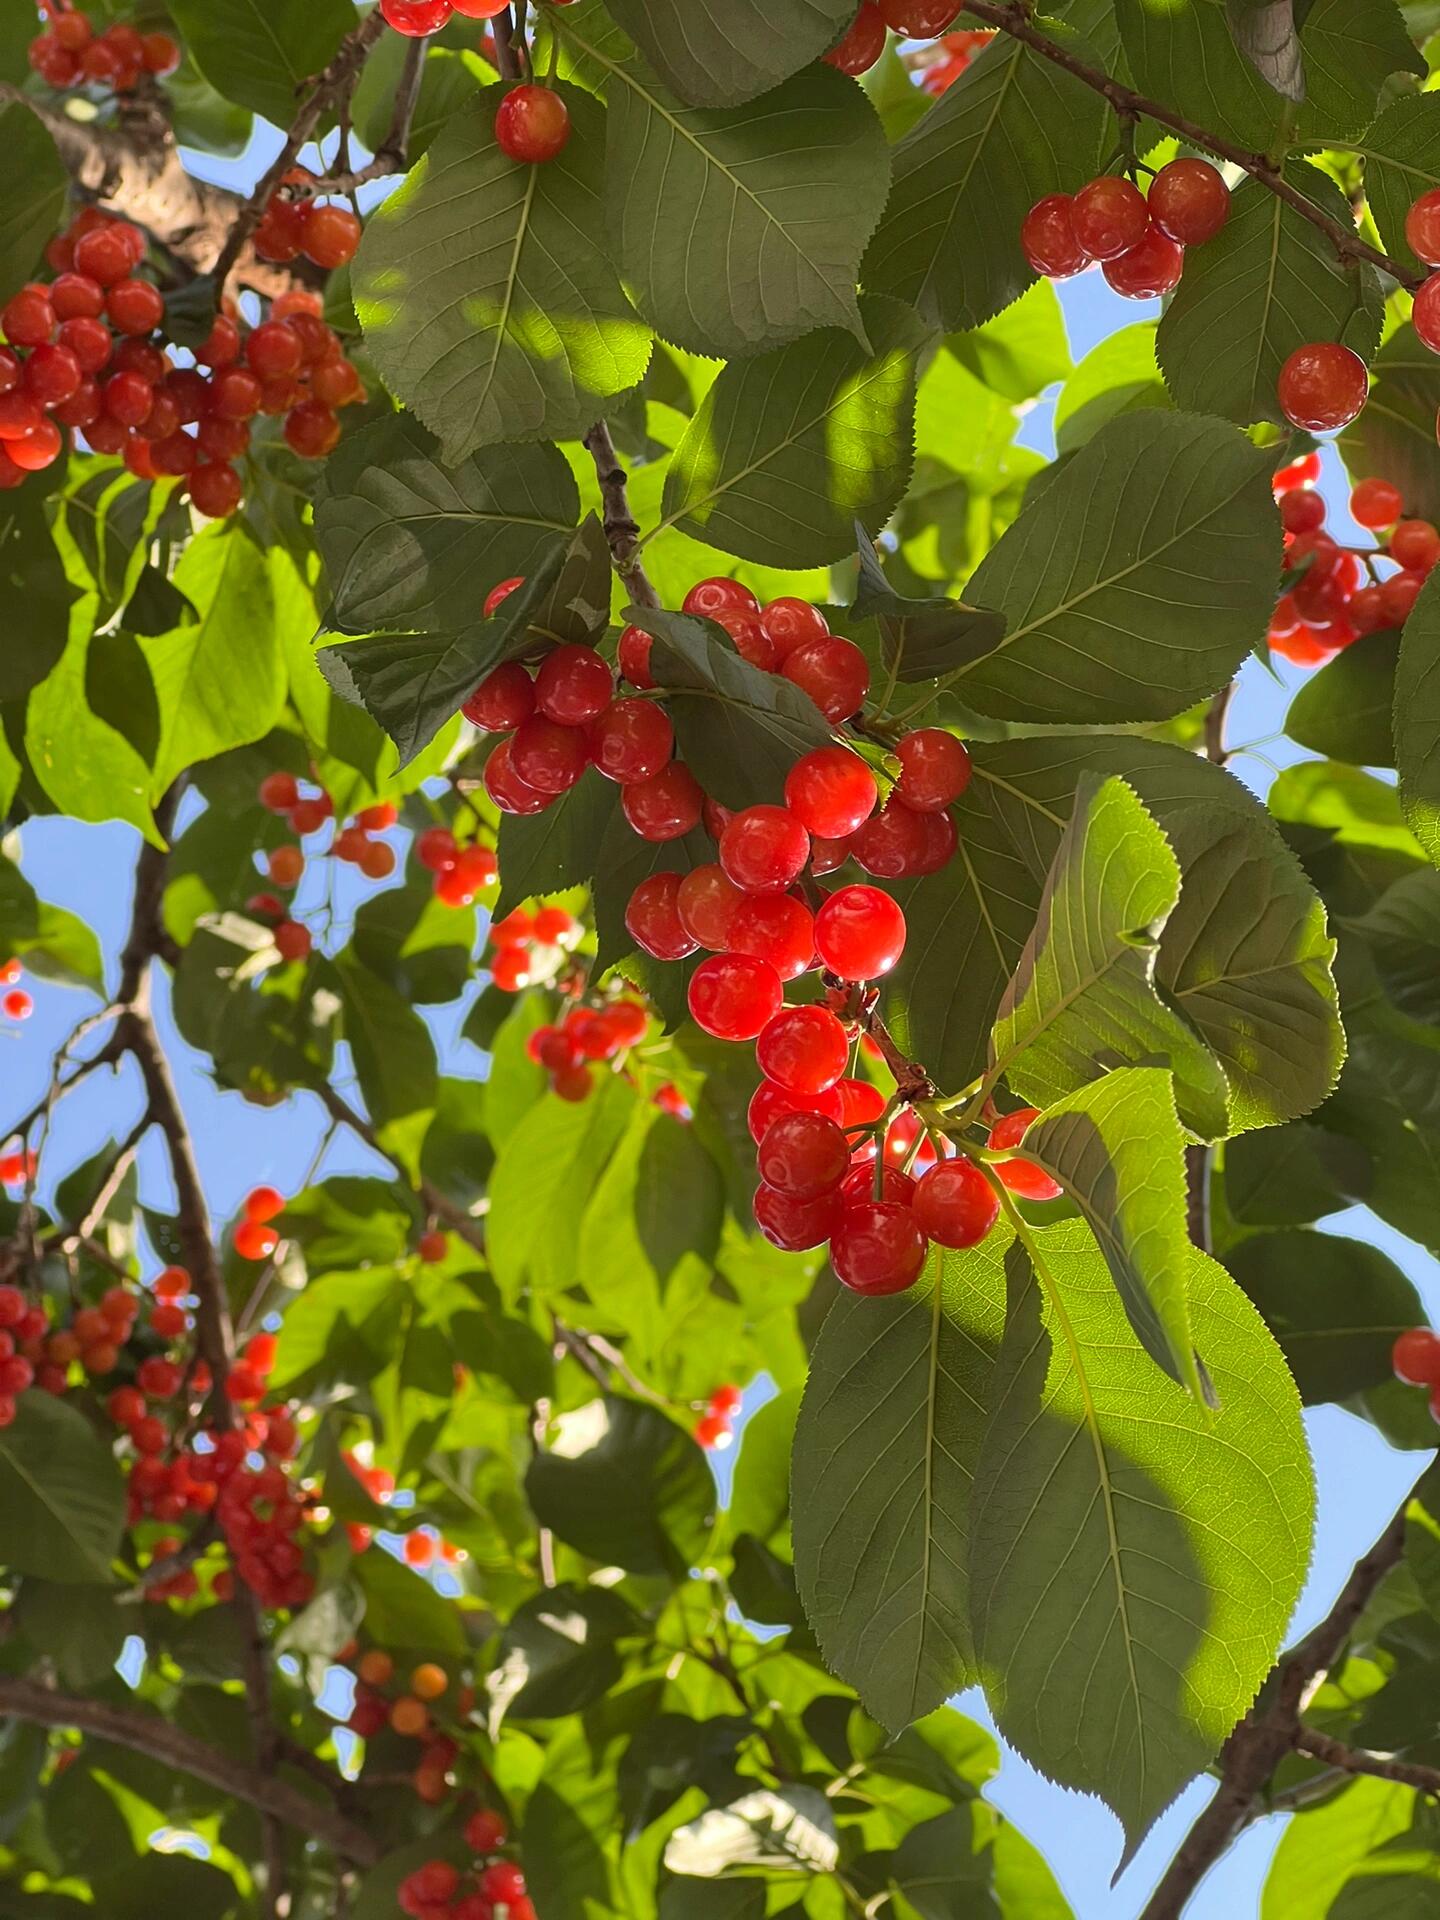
(561, 847)
(1186, 57)
(920, 639)
(35, 595)
(1417, 720)
(1264, 31)
(416, 942)
(722, 55)
(35, 201)
(1402, 161)
(558, 1655)
(1343, 711)
(1351, 49)
(402, 1611)
(1402, 932)
(259, 57)
(80, 1628)
(1289, 1176)
(1394, 433)
(393, 1052)
(62, 1501)
(52, 942)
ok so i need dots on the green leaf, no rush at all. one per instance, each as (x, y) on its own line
(415, 942)
(219, 680)
(1120, 375)
(391, 1046)
(787, 451)
(1013, 127)
(1321, 1847)
(621, 1483)
(487, 302)
(62, 1501)
(760, 1492)
(1402, 161)
(261, 57)
(739, 728)
(410, 683)
(409, 543)
(560, 847)
(86, 767)
(1022, 350)
(1186, 57)
(52, 942)
(1417, 720)
(1083, 998)
(1351, 48)
(1336, 1307)
(402, 1611)
(449, 80)
(1137, 586)
(1394, 433)
(920, 639)
(1402, 933)
(890, 1428)
(720, 55)
(1128, 1544)
(1117, 1149)
(740, 228)
(35, 596)
(557, 1655)
(80, 1628)
(38, 184)
(1289, 1176)
(1269, 282)
(1343, 711)
(545, 1173)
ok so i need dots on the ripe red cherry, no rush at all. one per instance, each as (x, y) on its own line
(1109, 216)
(803, 1049)
(748, 635)
(28, 319)
(52, 375)
(264, 1203)
(255, 1240)
(134, 306)
(274, 347)
(75, 296)
(789, 623)
(858, 1185)
(631, 740)
(278, 792)
(1147, 270)
(532, 125)
(504, 698)
(505, 787)
(292, 940)
(859, 933)
(1021, 1176)
(920, 19)
(712, 596)
(666, 806)
(653, 921)
(103, 254)
(770, 1100)
(1302, 510)
(863, 43)
(831, 791)
(215, 489)
(502, 1881)
(573, 686)
(1047, 238)
(37, 449)
(775, 927)
(1366, 610)
(764, 849)
(436, 850)
(547, 756)
(312, 430)
(235, 394)
(803, 1154)
(1189, 201)
(892, 842)
(934, 769)
(1416, 1357)
(1398, 595)
(1422, 228)
(1322, 386)
(161, 54)
(1375, 504)
(1415, 544)
(833, 672)
(415, 18)
(955, 1204)
(707, 902)
(877, 1248)
(331, 235)
(733, 995)
(795, 1225)
(633, 656)
(484, 1830)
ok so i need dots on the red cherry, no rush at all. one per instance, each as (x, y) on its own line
(501, 1881)
(435, 849)
(103, 254)
(161, 54)
(273, 347)
(1047, 238)
(532, 125)
(831, 791)
(215, 490)
(934, 769)
(503, 699)
(775, 927)
(264, 1203)
(1189, 201)
(1398, 595)
(1422, 227)
(733, 995)
(955, 1204)
(1416, 1357)
(573, 686)
(863, 44)
(1416, 545)
(221, 346)
(920, 19)
(748, 635)
(631, 740)
(416, 18)
(331, 236)
(878, 1247)
(789, 623)
(432, 1247)
(1109, 216)
(38, 449)
(764, 849)
(653, 921)
(859, 933)
(52, 375)
(1375, 504)
(235, 394)
(485, 1831)
(666, 806)
(1021, 1176)
(894, 841)
(633, 655)
(548, 756)
(312, 430)
(804, 1049)
(1322, 386)
(1366, 610)
(1147, 270)
(1302, 510)
(19, 414)
(712, 596)
(803, 1154)
(17, 1004)
(75, 296)
(834, 673)
(134, 306)
(795, 1225)
(505, 787)
(707, 903)
(254, 1240)
(770, 1100)
(222, 440)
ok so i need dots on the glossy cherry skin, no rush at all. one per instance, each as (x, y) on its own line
(878, 1247)
(955, 1204)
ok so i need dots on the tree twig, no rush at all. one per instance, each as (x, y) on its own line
(393, 154)
(148, 1733)
(622, 531)
(1010, 17)
(1382, 1766)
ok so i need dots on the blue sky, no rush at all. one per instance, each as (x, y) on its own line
(1361, 1478)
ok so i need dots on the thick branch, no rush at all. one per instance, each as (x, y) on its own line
(1335, 1753)
(1269, 1731)
(148, 1733)
(1011, 17)
(621, 529)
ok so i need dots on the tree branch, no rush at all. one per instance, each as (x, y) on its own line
(1009, 16)
(622, 531)
(1269, 1731)
(1334, 1753)
(149, 1734)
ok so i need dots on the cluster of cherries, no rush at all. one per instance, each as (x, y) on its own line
(417, 18)
(1416, 1360)
(37, 1354)
(317, 230)
(15, 1003)
(585, 1035)
(406, 1709)
(953, 53)
(715, 1428)
(864, 39)
(530, 947)
(356, 843)
(461, 873)
(494, 1891)
(1333, 593)
(69, 53)
(82, 354)
(1140, 242)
